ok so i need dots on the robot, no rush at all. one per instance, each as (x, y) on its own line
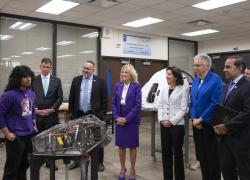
(73, 139)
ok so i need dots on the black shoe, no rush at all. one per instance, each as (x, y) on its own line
(48, 166)
(74, 165)
(101, 167)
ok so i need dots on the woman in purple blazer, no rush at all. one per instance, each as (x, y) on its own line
(126, 107)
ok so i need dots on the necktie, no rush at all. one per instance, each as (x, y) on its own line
(85, 95)
(45, 85)
(229, 89)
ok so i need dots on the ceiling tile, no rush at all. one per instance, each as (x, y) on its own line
(231, 20)
(169, 6)
(3, 2)
(148, 3)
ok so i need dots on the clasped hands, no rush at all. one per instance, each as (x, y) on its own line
(197, 123)
(166, 123)
(121, 121)
(220, 129)
(44, 112)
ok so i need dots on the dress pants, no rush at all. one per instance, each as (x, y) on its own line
(234, 162)
(171, 143)
(208, 154)
(195, 137)
(17, 163)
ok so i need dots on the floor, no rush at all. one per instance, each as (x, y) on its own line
(146, 167)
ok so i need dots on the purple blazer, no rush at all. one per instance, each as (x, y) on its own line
(133, 103)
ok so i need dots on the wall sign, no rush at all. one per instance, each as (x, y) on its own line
(136, 45)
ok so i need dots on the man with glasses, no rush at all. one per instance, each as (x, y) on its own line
(234, 146)
(205, 94)
(88, 95)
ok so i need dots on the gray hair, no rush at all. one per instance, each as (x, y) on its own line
(89, 61)
(205, 58)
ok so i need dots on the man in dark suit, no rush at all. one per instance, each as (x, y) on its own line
(247, 73)
(234, 146)
(49, 97)
(88, 95)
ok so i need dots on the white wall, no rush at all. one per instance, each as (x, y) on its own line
(224, 45)
(112, 46)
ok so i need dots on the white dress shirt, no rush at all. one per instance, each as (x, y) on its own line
(124, 93)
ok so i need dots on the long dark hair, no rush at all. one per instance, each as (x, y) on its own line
(177, 73)
(16, 76)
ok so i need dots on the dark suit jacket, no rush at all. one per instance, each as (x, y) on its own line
(98, 99)
(133, 103)
(239, 126)
(53, 99)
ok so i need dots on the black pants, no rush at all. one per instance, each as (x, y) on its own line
(195, 137)
(16, 163)
(171, 143)
(44, 123)
(234, 162)
(208, 154)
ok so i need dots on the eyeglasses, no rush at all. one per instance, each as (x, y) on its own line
(86, 68)
(197, 65)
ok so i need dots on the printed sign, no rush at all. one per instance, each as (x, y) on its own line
(136, 45)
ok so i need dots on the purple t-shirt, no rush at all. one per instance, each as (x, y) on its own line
(17, 111)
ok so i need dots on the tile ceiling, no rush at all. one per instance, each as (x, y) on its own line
(231, 21)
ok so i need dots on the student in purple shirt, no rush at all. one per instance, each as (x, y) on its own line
(17, 115)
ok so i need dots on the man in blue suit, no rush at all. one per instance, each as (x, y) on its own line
(206, 92)
(234, 145)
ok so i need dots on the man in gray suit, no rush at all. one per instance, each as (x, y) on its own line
(49, 97)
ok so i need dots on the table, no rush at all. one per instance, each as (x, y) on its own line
(36, 161)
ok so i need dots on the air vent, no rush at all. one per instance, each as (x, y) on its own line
(103, 3)
(106, 33)
(199, 22)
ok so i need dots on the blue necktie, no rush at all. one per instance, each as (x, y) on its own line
(85, 95)
(45, 85)
(229, 89)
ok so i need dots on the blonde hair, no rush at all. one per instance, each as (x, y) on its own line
(130, 68)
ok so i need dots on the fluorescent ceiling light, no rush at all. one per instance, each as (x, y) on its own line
(65, 43)
(15, 63)
(23, 26)
(43, 49)
(27, 53)
(213, 4)
(57, 7)
(197, 33)
(91, 35)
(15, 25)
(5, 59)
(87, 52)
(66, 55)
(5, 37)
(143, 22)
(15, 56)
